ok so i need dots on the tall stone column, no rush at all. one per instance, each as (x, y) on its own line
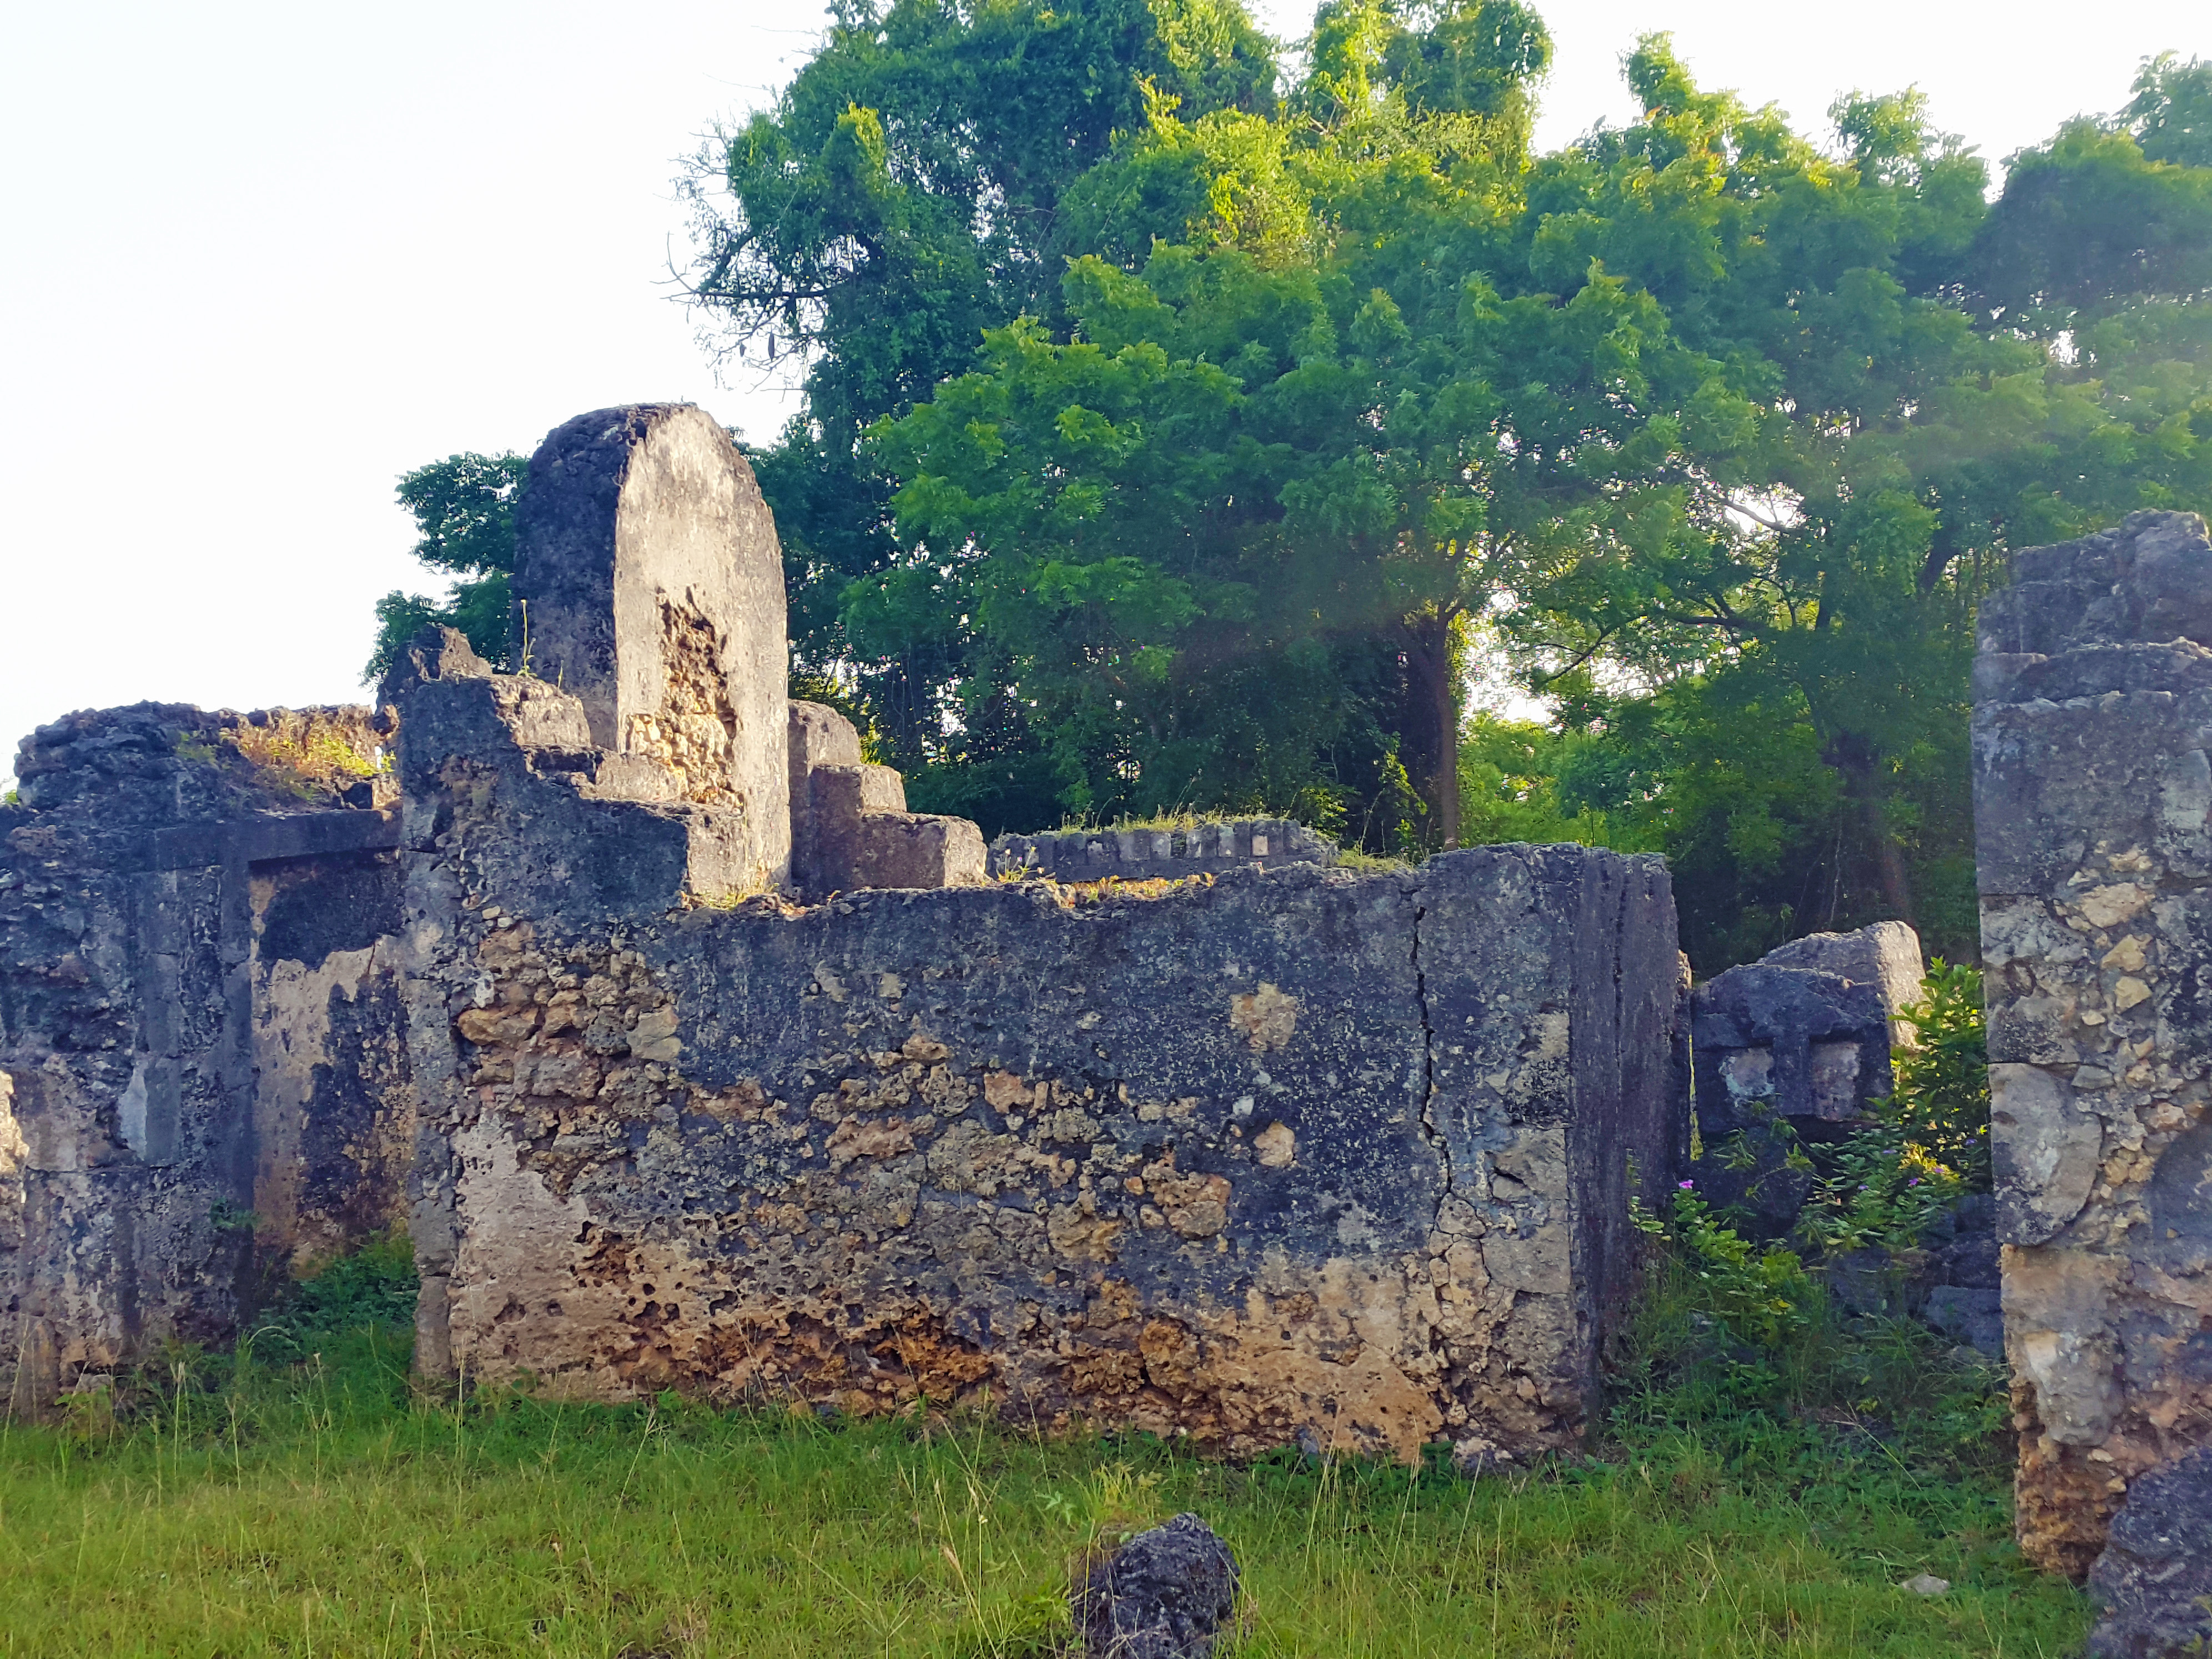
(2092, 790)
(648, 584)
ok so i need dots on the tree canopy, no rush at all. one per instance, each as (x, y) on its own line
(901, 196)
(1715, 432)
(1182, 434)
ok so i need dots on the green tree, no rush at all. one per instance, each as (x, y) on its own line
(902, 196)
(1904, 385)
(1178, 460)
(1111, 515)
(2171, 114)
(1246, 454)
(464, 512)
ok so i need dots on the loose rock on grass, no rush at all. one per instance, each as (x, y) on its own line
(1166, 1594)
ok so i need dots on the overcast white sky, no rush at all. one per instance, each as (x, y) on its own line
(267, 257)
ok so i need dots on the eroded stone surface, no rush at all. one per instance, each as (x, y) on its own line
(1298, 1152)
(2152, 1582)
(1885, 954)
(2094, 692)
(648, 582)
(202, 1070)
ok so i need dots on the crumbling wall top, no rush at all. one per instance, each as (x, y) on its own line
(158, 763)
(1140, 851)
(2144, 581)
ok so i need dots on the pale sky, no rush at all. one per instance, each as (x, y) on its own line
(267, 257)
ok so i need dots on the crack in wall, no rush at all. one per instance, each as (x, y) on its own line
(1410, 1307)
(1437, 1140)
(1439, 1344)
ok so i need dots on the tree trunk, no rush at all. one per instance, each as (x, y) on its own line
(1430, 742)
(1854, 758)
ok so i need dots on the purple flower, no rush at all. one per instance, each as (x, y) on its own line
(1686, 1185)
(1915, 1182)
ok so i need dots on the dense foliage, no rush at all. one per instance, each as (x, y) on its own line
(1174, 433)
(1181, 435)
(904, 195)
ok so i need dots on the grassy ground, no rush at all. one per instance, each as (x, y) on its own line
(300, 1499)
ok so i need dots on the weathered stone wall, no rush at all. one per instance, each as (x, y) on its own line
(202, 1079)
(1147, 854)
(2092, 790)
(849, 825)
(648, 582)
(333, 1106)
(1291, 1155)
(1793, 1047)
(688, 1075)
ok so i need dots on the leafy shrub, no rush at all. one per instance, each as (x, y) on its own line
(1930, 1145)
(373, 1289)
(1880, 1190)
(1942, 1101)
(1764, 1298)
(1740, 1345)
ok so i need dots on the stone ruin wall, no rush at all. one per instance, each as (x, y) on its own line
(691, 1058)
(203, 1077)
(1294, 1156)
(1150, 852)
(694, 1059)
(2092, 801)
(1286, 1155)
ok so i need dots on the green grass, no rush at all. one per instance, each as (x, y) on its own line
(1353, 858)
(324, 1509)
(299, 1497)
